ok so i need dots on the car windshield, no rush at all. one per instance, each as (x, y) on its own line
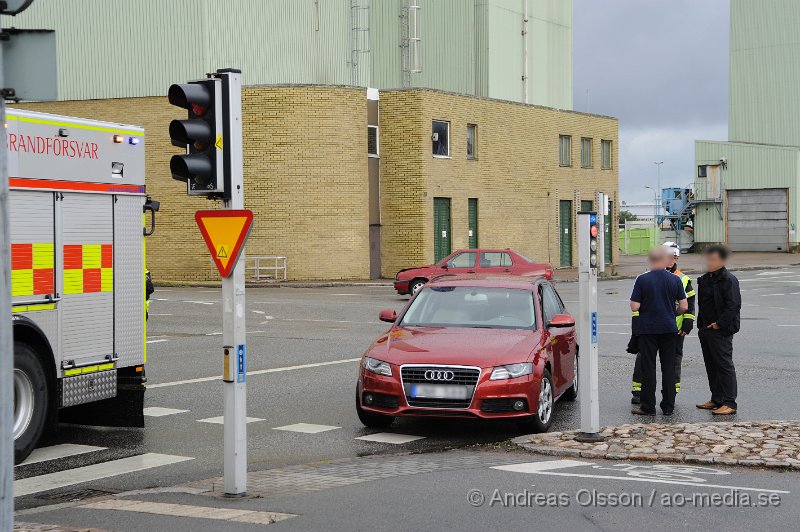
(469, 306)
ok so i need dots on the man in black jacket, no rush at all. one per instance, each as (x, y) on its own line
(719, 303)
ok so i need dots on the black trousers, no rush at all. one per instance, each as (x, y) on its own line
(636, 383)
(717, 349)
(663, 346)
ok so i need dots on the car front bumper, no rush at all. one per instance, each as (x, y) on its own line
(490, 400)
(402, 287)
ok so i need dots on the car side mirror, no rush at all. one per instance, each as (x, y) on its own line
(561, 320)
(388, 315)
(444, 266)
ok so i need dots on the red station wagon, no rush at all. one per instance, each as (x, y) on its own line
(472, 347)
(471, 261)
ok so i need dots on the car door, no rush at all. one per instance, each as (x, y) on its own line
(499, 262)
(562, 339)
(462, 262)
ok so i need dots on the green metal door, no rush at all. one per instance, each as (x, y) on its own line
(565, 216)
(587, 205)
(609, 234)
(472, 207)
(441, 228)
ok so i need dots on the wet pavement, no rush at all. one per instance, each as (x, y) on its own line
(302, 349)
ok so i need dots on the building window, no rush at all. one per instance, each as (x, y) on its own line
(372, 141)
(586, 152)
(565, 150)
(472, 140)
(441, 138)
(605, 154)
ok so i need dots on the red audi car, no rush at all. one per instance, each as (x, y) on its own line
(471, 261)
(472, 347)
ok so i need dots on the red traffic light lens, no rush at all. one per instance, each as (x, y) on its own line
(593, 231)
(198, 110)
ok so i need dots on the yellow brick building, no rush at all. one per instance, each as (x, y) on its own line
(319, 200)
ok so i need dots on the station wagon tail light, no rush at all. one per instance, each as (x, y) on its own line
(511, 371)
(377, 366)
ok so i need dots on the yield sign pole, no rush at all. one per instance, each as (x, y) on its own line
(233, 302)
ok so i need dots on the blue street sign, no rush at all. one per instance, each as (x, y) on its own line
(594, 327)
(593, 218)
(241, 363)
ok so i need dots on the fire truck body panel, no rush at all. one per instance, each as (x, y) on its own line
(77, 197)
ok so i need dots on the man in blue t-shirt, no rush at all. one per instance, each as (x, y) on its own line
(654, 296)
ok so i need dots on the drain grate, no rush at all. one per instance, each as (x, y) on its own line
(76, 495)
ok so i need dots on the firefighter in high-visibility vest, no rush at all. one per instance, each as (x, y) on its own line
(685, 323)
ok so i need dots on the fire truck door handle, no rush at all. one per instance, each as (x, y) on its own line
(152, 220)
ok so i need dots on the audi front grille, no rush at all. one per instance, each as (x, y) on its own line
(440, 375)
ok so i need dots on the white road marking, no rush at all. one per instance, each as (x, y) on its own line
(545, 465)
(306, 428)
(390, 437)
(154, 314)
(157, 341)
(157, 411)
(781, 272)
(770, 295)
(258, 312)
(220, 420)
(543, 468)
(159, 299)
(188, 510)
(78, 475)
(256, 372)
(201, 302)
(54, 452)
(789, 325)
(322, 321)
(778, 308)
(214, 334)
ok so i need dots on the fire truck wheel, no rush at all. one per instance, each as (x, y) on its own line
(30, 400)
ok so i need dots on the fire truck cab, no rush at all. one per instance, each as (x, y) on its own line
(78, 204)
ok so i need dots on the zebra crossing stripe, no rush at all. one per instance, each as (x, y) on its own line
(79, 475)
(55, 452)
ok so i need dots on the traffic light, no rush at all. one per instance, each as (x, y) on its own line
(593, 231)
(202, 166)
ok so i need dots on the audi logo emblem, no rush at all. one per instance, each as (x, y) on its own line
(439, 375)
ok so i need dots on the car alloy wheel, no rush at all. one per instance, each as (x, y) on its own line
(24, 401)
(416, 286)
(545, 402)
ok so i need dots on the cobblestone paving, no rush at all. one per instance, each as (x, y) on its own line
(770, 443)
(294, 480)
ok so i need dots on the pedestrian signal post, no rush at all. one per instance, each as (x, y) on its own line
(213, 167)
(588, 361)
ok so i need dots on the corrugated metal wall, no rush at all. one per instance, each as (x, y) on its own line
(764, 72)
(121, 49)
(749, 166)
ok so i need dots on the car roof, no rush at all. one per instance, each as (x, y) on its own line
(489, 281)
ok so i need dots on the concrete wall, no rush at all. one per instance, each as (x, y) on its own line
(516, 177)
(305, 169)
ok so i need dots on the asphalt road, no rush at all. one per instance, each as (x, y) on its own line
(302, 343)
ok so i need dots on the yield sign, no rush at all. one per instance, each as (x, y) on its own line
(225, 233)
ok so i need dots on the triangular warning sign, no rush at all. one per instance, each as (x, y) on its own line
(225, 233)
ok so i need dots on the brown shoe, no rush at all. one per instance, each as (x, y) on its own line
(724, 410)
(708, 405)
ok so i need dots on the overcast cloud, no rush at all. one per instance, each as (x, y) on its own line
(661, 67)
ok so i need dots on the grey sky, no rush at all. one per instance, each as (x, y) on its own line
(661, 67)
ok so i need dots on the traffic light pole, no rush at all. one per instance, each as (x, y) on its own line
(588, 360)
(233, 300)
(6, 346)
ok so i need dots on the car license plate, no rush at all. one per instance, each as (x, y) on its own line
(438, 391)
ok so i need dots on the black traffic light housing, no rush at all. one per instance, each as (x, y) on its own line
(593, 230)
(202, 166)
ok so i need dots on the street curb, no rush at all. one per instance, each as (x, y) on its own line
(549, 450)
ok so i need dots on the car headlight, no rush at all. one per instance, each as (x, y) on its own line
(377, 366)
(511, 371)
